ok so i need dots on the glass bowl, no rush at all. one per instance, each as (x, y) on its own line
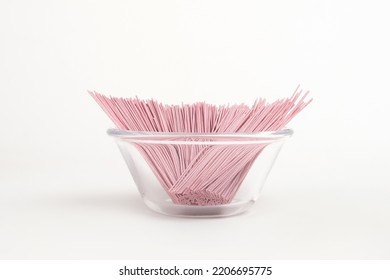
(199, 174)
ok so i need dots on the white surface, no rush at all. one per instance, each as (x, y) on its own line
(65, 191)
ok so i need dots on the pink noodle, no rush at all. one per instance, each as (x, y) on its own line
(200, 174)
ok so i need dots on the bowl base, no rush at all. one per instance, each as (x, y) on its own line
(212, 211)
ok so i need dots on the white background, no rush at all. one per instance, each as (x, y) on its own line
(65, 192)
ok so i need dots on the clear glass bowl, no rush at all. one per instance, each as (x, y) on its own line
(199, 175)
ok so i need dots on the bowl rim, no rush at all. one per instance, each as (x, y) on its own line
(214, 138)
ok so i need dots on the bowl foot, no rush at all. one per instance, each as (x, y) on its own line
(213, 211)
